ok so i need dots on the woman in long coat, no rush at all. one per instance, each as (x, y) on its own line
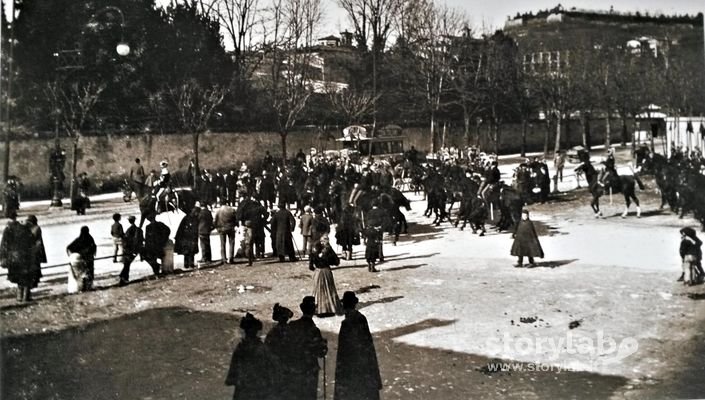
(347, 232)
(322, 257)
(39, 255)
(357, 374)
(526, 241)
(186, 239)
(82, 254)
(16, 255)
(283, 224)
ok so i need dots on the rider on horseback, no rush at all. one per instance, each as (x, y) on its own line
(361, 187)
(162, 184)
(609, 171)
(492, 177)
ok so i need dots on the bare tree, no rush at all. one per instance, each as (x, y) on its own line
(239, 19)
(194, 105)
(372, 21)
(352, 104)
(289, 35)
(75, 103)
(435, 29)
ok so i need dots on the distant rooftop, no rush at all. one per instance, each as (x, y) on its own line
(608, 16)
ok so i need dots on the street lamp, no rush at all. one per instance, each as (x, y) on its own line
(69, 60)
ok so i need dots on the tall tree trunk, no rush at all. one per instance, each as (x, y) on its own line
(557, 146)
(74, 162)
(478, 133)
(283, 135)
(433, 132)
(523, 136)
(443, 136)
(634, 133)
(547, 135)
(466, 126)
(497, 133)
(196, 168)
(625, 131)
(608, 133)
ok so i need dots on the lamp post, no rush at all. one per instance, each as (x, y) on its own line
(70, 60)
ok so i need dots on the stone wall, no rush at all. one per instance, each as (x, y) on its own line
(108, 158)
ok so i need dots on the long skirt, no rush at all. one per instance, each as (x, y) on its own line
(80, 274)
(327, 300)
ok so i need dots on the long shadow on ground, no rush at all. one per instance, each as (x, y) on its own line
(177, 353)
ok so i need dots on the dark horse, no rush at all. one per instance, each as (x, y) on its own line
(181, 199)
(615, 183)
(390, 200)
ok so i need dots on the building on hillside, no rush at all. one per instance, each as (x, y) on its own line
(546, 39)
(328, 63)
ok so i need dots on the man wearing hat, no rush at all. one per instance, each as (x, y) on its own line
(162, 182)
(267, 191)
(526, 241)
(308, 346)
(283, 224)
(252, 369)
(356, 369)
(132, 245)
(306, 225)
(16, 255)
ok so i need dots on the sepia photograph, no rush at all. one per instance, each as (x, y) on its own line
(352, 199)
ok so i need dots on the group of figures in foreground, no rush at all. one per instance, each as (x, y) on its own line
(286, 365)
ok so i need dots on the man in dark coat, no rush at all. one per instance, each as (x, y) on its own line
(132, 245)
(379, 221)
(156, 236)
(308, 346)
(16, 255)
(186, 239)
(283, 224)
(526, 241)
(205, 226)
(356, 369)
(267, 191)
(252, 369)
(39, 254)
(11, 198)
(231, 187)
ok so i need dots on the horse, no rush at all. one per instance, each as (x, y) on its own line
(179, 199)
(666, 177)
(509, 202)
(390, 200)
(624, 184)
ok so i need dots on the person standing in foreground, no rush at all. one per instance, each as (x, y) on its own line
(156, 236)
(691, 254)
(309, 346)
(526, 241)
(356, 369)
(16, 256)
(39, 255)
(205, 226)
(186, 238)
(251, 367)
(283, 225)
(82, 253)
(324, 291)
(134, 240)
(225, 223)
(278, 342)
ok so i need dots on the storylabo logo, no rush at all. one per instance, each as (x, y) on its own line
(599, 348)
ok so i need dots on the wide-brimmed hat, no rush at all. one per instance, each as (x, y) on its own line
(164, 163)
(131, 218)
(350, 300)
(308, 304)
